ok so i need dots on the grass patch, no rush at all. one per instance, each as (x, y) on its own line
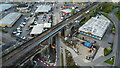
(107, 51)
(110, 61)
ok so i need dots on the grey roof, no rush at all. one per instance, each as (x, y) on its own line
(37, 29)
(96, 25)
(43, 8)
(5, 6)
(10, 18)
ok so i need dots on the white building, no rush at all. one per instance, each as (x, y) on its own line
(43, 8)
(66, 11)
(37, 29)
(95, 27)
(9, 19)
(47, 25)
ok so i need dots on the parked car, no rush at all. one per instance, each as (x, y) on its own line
(24, 23)
(18, 34)
(21, 25)
(14, 32)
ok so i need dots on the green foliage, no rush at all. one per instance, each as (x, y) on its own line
(31, 15)
(107, 51)
(73, 11)
(5, 31)
(65, 2)
(117, 14)
(110, 61)
(17, 10)
(105, 7)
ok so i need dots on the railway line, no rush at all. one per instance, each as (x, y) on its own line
(26, 50)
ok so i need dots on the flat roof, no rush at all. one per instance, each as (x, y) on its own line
(43, 8)
(37, 29)
(5, 6)
(88, 44)
(47, 25)
(10, 18)
(66, 11)
(96, 25)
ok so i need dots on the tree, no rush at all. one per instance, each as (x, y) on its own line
(65, 2)
(73, 11)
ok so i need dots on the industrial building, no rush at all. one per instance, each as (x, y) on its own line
(4, 7)
(9, 19)
(43, 9)
(37, 29)
(47, 25)
(66, 12)
(95, 27)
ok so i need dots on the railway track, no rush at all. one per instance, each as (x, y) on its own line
(29, 48)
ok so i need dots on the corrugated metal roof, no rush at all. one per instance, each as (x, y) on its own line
(10, 18)
(5, 6)
(43, 8)
(96, 25)
(47, 25)
(37, 29)
(66, 10)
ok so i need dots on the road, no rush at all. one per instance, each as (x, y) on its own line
(58, 52)
(117, 48)
(29, 48)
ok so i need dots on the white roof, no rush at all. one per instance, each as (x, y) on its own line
(10, 18)
(37, 29)
(43, 8)
(5, 6)
(47, 25)
(96, 25)
(66, 10)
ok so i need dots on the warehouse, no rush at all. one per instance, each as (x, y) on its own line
(9, 19)
(43, 8)
(95, 27)
(37, 29)
(66, 12)
(47, 25)
(4, 7)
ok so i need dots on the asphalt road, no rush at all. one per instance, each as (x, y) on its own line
(117, 25)
(58, 52)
